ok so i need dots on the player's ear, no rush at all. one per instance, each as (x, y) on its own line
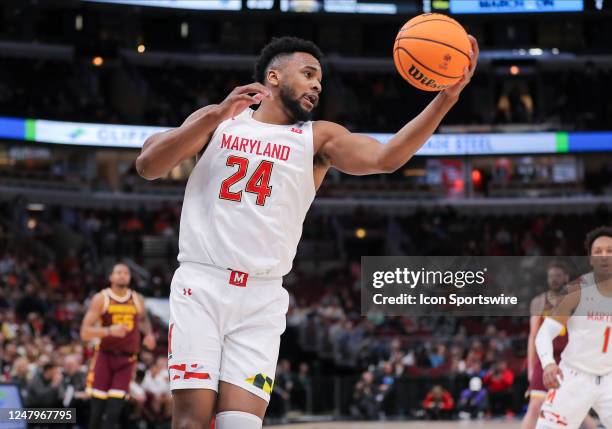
(273, 77)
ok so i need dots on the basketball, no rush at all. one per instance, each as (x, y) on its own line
(431, 51)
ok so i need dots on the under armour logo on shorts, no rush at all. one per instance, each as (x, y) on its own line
(238, 278)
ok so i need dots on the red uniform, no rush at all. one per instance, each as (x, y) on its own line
(113, 363)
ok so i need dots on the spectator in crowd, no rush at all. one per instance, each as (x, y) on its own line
(365, 398)
(157, 387)
(283, 386)
(302, 388)
(438, 357)
(499, 381)
(438, 404)
(474, 400)
(73, 387)
(45, 388)
(137, 410)
(20, 375)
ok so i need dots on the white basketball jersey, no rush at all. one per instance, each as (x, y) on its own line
(590, 338)
(247, 197)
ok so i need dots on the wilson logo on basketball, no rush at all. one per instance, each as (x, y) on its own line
(419, 76)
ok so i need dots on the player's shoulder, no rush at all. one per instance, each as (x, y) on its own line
(325, 131)
(328, 129)
(138, 300)
(98, 300)
(574, 286)
(538, 304)
(572, 294)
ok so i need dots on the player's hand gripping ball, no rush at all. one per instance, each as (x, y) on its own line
(432, 52)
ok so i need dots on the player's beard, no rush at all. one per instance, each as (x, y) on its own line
(291, 103)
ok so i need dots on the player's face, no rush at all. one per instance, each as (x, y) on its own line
(556, 278)
(301, 86)
(120, 276)
(601, 256)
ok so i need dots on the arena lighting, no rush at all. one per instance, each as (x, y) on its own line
(35, 207)
(97, 61)
(360, 233)
(535, 51)
(184, 30)
(78, 22)
(514, 70)
(141, 48)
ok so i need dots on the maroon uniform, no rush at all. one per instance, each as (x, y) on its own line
(113, 363)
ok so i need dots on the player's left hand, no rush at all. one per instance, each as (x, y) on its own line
(552, 376)
(468, 72)
(149, 341)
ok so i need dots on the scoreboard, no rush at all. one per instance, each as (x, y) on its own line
(502, 6)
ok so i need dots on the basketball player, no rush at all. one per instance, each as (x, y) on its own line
(122, 314)
(245, 203)
(583, 379)
(541, 306)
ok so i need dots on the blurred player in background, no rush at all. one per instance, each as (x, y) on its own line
(116, 316)
(583, 379)
(242, 217)
(557, 277)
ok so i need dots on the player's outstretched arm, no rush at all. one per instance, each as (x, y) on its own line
(162, 152)
(360, 155)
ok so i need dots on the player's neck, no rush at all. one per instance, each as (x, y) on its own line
(119, 291)
(272, 113)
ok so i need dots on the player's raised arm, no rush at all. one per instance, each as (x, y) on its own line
(161, 152)
(359, 154)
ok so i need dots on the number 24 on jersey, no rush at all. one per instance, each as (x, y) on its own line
(257, 184)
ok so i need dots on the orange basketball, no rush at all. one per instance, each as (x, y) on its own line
(431, 51)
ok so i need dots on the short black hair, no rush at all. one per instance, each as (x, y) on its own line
(602, 231)
(282, 46)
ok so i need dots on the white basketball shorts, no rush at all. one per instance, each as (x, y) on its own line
(567, 406)
(224, 325)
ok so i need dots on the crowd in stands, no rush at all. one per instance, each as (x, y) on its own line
(51, 261)
(126, 93)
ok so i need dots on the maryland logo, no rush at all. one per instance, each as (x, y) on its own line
(262, 381)
(554, 418)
